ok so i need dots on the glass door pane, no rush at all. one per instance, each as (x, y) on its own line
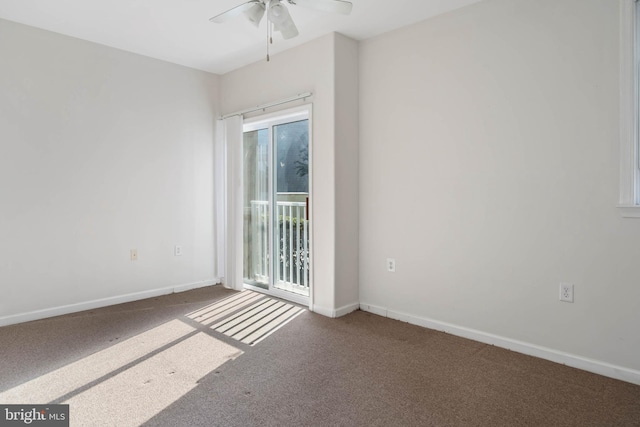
(276, 227)
(257, 209)
(291, 228)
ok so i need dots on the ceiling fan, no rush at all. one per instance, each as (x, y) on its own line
(278, 15)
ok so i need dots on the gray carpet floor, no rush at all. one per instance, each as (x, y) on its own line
(214, 357)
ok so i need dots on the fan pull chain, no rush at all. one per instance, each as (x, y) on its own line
(269, 39)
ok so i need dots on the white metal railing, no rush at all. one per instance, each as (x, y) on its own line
(292, 245)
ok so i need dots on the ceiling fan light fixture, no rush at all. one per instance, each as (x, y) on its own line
(278, 14)
(255, 13)
(288, 31)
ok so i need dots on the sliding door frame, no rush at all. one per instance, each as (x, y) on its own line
(303, 112)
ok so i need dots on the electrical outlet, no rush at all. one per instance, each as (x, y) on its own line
(177, 250)
(391, 265)
(566, 292)
(134, 254)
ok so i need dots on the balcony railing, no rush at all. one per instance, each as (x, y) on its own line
(292, 245)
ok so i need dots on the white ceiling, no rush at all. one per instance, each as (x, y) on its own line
(179, 31)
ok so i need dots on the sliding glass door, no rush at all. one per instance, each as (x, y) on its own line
(276, 205)
(257, 208)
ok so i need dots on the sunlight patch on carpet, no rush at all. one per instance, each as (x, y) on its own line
(248, 317)
(226, 307)
(136, 395)
(56, 384)
(132, 381)
(258, 321)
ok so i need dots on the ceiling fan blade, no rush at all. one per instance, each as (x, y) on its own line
(232, 13)
(334, 6)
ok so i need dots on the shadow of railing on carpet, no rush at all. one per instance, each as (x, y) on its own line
(248, 317)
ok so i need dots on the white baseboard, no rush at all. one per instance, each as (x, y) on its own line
(323, 311)
(337, 312)
(585, 364)
(103, 302)
(343, 311)
(373, 309)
